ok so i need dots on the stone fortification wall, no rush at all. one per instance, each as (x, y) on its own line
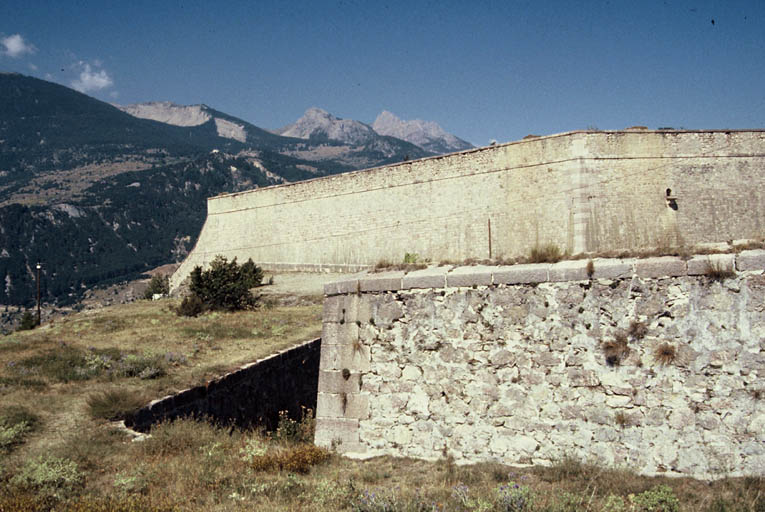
(652, 364)
(251, 396)
(581, 191)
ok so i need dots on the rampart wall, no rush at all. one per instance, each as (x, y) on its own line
(251, 396)
(653, 364)
(581, 191)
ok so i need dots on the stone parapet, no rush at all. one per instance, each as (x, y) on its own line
(536, 273)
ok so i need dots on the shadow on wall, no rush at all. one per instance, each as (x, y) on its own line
(248, 397)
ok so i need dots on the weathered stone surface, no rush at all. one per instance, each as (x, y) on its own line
(606, 268)
(341, 287)
(522, 372)
(665, 266)
(431, 277)
(337, 432)
(573, 270)
(522, 274)
(382, 282)
(750, 260)
(478, 275)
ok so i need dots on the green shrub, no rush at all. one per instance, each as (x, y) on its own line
(659, 498)
(295, 431)
(28, 322)
(226, 285)
(191, 305)
(15, 423)
(116, 404)
(11, 435)
(411, 257)
(49, 476)
(14, 414)
(159, 284)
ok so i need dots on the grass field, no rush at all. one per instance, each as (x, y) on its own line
(62, 385)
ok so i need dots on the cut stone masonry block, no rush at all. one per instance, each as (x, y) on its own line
(522, 274)
(338, 431)
(334, 382)
(478, 275)
(700, 265)
(384, 282)
(341, 287)
(431, 277)
(343, 405)
(751, 260)
(333, 309)
(339, 357)
(575, 270)
(606, 268)
(665, 266)
(333, 333)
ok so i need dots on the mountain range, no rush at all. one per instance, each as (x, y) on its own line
(98, 193)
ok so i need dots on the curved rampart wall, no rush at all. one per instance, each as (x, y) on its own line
(581, 191)
(655, 364)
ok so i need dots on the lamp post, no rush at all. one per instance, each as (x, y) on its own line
(38, 294)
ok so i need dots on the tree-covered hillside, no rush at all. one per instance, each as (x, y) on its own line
(95, 194)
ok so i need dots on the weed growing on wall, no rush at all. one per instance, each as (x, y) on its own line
(616, 350)
(637, 330)
(665, 354)
(549, 253)
(718, 271)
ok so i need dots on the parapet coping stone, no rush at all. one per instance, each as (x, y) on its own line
(536, 273)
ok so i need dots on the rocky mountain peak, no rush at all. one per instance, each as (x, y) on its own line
(426, 134)
(318, 123)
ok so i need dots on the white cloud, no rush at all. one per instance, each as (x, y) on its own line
(15, 46)
(32, 67)
(91, 80)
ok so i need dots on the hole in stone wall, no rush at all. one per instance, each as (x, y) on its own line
(671, 200)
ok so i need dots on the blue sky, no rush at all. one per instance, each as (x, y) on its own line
(483, 70)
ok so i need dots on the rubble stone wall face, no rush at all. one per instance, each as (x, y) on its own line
(580, 191)
(529, 363)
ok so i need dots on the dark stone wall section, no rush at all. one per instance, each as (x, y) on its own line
(251, 396)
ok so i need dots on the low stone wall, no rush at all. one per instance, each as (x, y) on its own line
(652, 364)
(252, 395)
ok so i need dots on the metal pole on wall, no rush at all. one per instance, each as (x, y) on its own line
(38, 294)
(489, 238)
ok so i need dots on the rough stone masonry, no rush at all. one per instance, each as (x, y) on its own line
(652, 364)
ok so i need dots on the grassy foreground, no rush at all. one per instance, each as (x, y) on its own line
(61, 385)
